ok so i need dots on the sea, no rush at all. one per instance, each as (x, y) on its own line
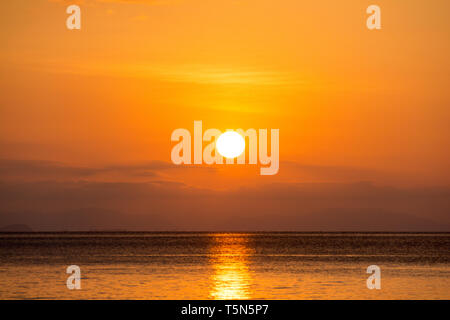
(221, 265)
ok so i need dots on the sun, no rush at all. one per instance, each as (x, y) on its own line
(230, 144)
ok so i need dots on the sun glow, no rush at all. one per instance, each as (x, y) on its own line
(230, 144)
(229, 258)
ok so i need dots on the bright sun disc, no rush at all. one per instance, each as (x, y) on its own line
(230, 144)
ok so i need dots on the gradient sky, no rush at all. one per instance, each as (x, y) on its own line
(86, 116)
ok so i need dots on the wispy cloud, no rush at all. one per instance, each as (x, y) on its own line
(93, 2)
(37, 170)
(57, 195)
(180, 73)
(304, 207)
(216, 75)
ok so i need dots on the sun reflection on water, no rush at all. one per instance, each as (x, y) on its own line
(231, 278)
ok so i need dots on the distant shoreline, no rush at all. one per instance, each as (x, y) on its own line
(224, 232)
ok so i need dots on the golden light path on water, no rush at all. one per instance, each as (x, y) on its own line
(231, 278)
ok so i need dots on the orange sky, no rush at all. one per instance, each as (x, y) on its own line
(351, 104)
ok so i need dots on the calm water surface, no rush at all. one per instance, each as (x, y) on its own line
(224, 265)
